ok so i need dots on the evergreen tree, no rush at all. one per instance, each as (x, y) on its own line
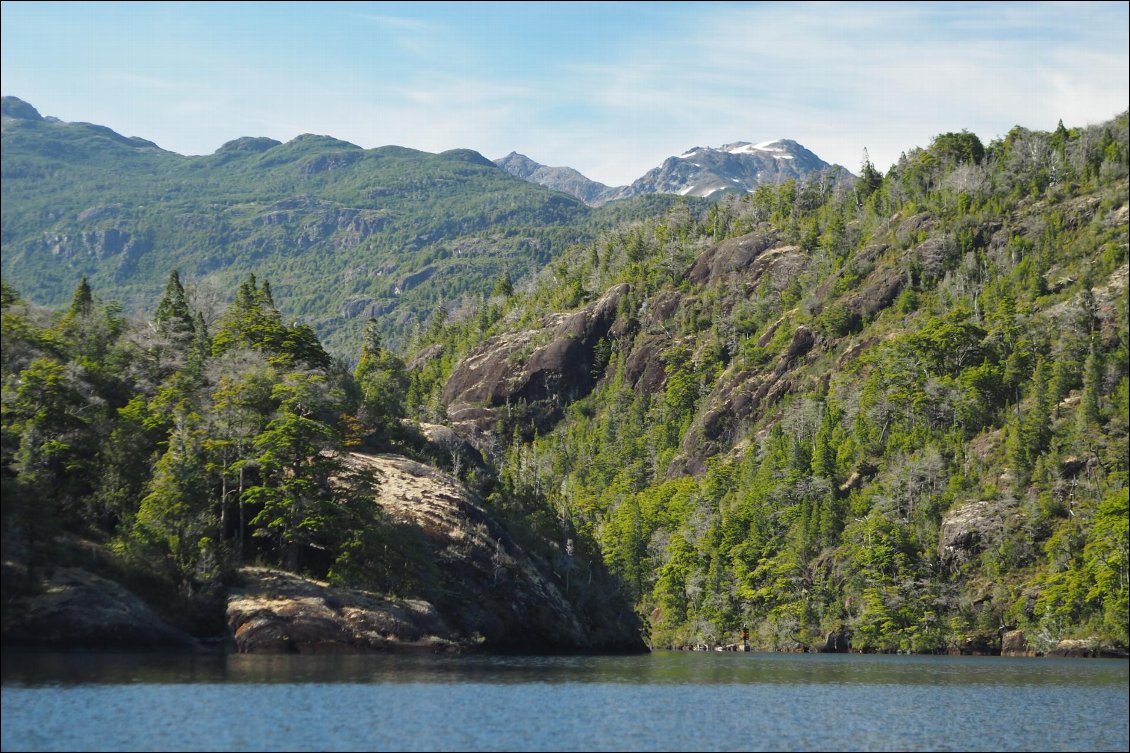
(383, 381)
(503, 286)
(89, 329)
(252, 321)
(201, 349)
(172, 318)
(174, 518)
(82, 303)
(870, 180)
(1037, 424)
(1089, 416)
(306, 491)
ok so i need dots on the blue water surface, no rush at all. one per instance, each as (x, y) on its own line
(663, 701)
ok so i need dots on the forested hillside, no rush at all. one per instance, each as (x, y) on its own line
(347, 234)
(891, 415)
(160, 456)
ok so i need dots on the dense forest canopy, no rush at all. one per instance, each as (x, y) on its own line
(895, 410)
(902, 416)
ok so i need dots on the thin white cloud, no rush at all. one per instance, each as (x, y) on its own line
(840, 77)
(414, 36)
(400, 23)
(837, 77)
(139, 80)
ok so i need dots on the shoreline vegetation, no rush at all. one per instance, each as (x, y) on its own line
(885, 416)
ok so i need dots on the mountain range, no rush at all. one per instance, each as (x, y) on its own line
(345, 233)
(739, 167)
(890, 417)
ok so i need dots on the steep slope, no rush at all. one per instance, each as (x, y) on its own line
(484, 591)
(487, 584)
(891, 416)
(151, 472)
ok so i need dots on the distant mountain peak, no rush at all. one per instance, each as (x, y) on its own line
(564, 179)
(16, 109)
(466, 155)
(17, 112)
(321, 140)
(249, 144)
(739, 166)
(780, 147)
(518, 165)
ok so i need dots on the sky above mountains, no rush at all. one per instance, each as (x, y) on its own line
(610, 89)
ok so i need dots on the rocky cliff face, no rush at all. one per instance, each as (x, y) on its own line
(971, 528)
(523, 379)
(274, 612)
(487, 594)
(738, 398)
(74, 608)
(489, 589)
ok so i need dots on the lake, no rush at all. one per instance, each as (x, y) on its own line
(663, 701)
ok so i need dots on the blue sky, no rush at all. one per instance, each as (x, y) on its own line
(608, 88)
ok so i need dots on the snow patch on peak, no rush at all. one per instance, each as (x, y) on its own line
(744, 147)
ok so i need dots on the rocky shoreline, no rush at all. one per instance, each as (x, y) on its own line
(1011, 643)
(275, 612)
(484, 593)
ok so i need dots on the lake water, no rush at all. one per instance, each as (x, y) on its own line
(664, 701)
